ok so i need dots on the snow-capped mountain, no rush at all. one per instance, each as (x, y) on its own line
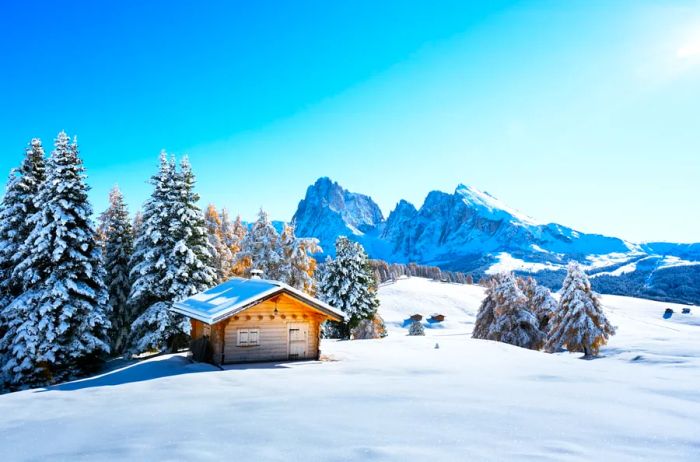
(329, 211)
(470, 230)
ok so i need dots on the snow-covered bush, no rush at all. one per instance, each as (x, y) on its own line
(347, 283)
(579, 323)
(369, 329)
(416, 328)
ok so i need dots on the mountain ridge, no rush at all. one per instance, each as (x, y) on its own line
(472, 231)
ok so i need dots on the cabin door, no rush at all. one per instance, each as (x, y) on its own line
(298, 340)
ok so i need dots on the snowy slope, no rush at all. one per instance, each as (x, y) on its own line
(393, 399)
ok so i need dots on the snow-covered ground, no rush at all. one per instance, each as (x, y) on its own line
(398, 398)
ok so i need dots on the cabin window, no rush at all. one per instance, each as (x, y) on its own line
(248, 337)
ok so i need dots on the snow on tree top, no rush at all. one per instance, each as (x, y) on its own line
(238, 294)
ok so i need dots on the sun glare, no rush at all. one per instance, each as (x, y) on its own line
(690, 47)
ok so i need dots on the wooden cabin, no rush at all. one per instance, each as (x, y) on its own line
(255, 320)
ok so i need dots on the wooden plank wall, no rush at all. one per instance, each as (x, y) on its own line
(273, 330)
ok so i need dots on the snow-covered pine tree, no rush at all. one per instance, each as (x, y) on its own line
(486, 314)
(149, 261)
(347, 283)
(171, 259)
(513, 322)
(137, 223)
(299, 266)
(232, 234)
(540, 301)
(579, 323)
(16, 208)
(191, 256)
(118, 247)
(61, 321)
(416, 328)
(261, 249)
(222, 258)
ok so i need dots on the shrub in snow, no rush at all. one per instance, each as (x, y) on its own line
(171, 260)
(261, 249)
(118, 246)
(298, 266)
(58, 326)
(579, 323)
(347, 283)
(369, 329)
(416, 328)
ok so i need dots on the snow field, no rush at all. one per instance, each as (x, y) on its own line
(396, 398)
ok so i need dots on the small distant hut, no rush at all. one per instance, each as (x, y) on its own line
(435, 318)
(253, 320)
(416, 317)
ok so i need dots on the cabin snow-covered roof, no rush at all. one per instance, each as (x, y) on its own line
(238, 294)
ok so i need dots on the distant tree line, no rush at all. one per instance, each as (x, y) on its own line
(386, 272)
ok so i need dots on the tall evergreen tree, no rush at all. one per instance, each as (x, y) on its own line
(299, 266)
(261, 249)
(579, 324)
(60, 321)
(16, 208)
(191, 257)
(347, 283)
(171, 259)
(233, 234)
(222, 256)
(118, 247)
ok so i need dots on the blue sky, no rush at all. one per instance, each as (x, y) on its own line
(579, 112)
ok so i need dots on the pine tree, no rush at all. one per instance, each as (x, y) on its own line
(486, 315)
(16, 208)
(171, 259)
(191, 256)
(118, 247)
(299, 266)
(261, 249)
(513, 322)
(540, 301)
(61, 319)
(579, 324)
(416, 328)
(347, 283)
(222, 257)
(232, 235)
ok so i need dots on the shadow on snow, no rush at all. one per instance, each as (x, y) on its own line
(163, 366)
